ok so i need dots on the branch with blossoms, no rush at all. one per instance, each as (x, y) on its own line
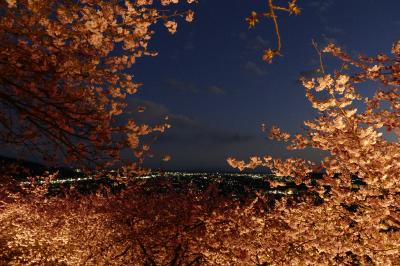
(64, 84)
(341, 129)
(255, 17)
(360, 175)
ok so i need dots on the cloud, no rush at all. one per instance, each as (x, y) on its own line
(223, 137)
(258, 44)
(199, 134)
(184, 130)
(156, 113)
(193, 88)
(321, 5)
(216, 90)
(181, 85)
(334, 30)
(254, 68)
(254, 43)
(153, 113)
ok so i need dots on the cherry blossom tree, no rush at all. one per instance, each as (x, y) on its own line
(64, 79)
(149, 223)
(359, 218)
(63, 83)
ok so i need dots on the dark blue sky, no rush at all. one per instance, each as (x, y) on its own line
(210, 79)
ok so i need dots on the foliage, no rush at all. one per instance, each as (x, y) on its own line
(64, 82)
(361, 220)
(154, 222)
(64, 79)
(149, 223)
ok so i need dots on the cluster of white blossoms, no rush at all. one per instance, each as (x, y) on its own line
(80, 42)
(352, 137)
(361, 220)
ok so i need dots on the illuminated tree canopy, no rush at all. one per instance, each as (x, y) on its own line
(64, 85)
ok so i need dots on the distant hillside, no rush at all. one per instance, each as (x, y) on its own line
(21, 169)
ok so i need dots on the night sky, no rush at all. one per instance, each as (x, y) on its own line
(210, 80)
